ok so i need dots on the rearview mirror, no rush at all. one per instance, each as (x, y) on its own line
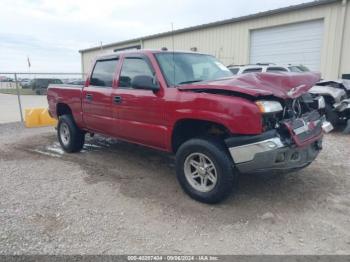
(144, 82)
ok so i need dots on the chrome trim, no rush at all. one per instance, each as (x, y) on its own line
(247, 152)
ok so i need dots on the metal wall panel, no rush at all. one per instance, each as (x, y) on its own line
(299, 43)
(231, 42)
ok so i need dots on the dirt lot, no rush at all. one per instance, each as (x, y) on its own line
(117, 198)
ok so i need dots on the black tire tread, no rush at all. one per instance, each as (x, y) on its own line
(77, 136)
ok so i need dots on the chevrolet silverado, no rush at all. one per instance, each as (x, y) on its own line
(218, 125)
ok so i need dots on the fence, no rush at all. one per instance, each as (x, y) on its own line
(19, 91)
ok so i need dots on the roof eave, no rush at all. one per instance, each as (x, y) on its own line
(218, 23)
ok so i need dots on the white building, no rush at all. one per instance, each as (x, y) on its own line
(316, 34)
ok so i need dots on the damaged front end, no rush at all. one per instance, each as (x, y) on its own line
(291, 138)
(337, 97)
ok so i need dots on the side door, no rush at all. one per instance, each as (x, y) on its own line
(97, 97)
(140, 113)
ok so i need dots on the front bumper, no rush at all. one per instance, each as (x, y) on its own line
(269, 151)
(272, 155)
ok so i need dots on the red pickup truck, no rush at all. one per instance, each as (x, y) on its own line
(187, 103)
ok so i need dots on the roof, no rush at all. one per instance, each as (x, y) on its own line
(219, 23)
(145, 51)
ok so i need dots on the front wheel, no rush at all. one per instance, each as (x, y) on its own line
(69, 135)
(205, 170)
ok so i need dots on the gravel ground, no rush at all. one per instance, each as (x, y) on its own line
(118, 198)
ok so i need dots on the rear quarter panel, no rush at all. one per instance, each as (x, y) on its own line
(68, 95)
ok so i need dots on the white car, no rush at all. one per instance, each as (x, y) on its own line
(336, 93)
(258, 68)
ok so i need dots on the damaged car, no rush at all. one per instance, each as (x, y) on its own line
(337, 97)
(189, 104)
(335, 93)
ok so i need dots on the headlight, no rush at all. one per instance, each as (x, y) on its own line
(269, 106)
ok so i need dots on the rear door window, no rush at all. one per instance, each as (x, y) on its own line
(103, 73)
(252, 70)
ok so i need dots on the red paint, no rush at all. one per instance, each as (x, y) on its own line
(148, 118)
(281, 84)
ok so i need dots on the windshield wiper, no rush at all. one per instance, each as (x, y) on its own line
(191, 81)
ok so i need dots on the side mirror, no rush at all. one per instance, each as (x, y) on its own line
(144, 82)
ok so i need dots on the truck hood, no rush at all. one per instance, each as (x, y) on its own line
(282, 85)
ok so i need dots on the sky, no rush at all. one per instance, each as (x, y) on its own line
(51, 32)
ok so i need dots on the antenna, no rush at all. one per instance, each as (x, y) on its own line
(172, 39)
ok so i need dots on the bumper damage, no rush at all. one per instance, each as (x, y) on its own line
(272, 155)
(272, 151)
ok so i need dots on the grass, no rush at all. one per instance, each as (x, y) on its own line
(13, 91)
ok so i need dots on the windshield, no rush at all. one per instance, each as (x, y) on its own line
(182, 68)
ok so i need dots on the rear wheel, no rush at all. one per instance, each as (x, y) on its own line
(205, 170)
(69, 135)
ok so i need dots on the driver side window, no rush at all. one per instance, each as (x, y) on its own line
(133, 66)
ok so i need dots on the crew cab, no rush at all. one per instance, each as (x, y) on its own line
(218, 125)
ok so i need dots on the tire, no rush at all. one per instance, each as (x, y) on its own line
(69, 135)
(215, 154)
(331, 116)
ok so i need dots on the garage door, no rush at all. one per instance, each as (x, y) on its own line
(289, 44)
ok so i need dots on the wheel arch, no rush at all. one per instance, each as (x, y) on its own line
(63, 109)
(185, 129)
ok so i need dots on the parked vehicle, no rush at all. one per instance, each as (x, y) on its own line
(191, 105)
(335, 93)
(39, 85)
(25, 83)
(5, 79)
(266, 67)
(337, 97)
(78, 82)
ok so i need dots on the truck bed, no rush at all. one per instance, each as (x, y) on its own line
(70, 95)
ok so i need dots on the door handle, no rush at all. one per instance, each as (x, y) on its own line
(117, 100)
(88, 97)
